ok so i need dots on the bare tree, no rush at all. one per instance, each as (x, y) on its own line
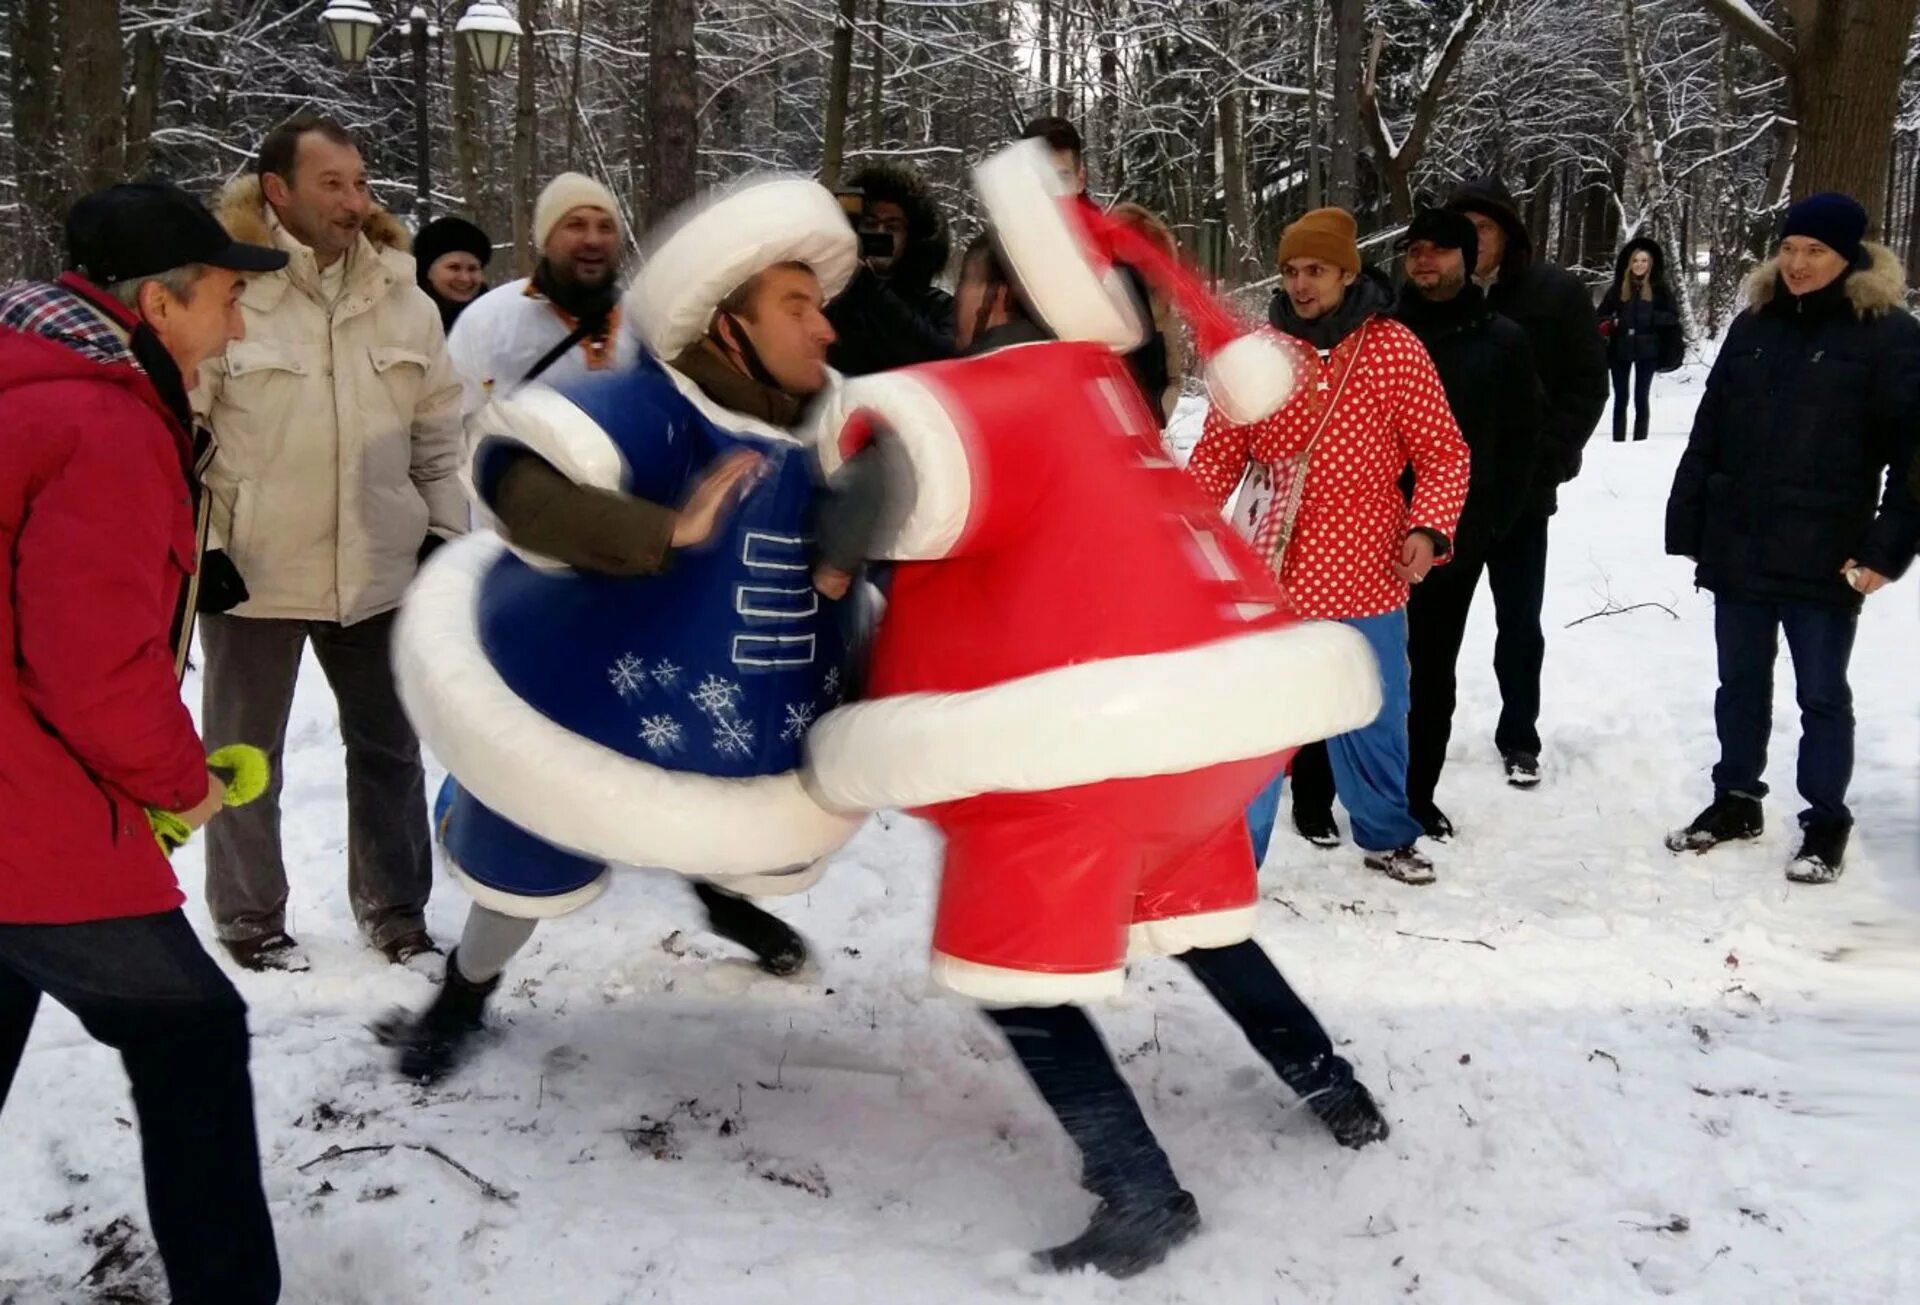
(1843, 64)
(673, 108)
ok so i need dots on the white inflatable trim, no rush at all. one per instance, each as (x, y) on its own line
(996, 985)
(521, 906)
(942, 475)
(1126, 717)
(567, 789)
(716, 244)
(1183, 933)
(1251, 378)
(1022, 195)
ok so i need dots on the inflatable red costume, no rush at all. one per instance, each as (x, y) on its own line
(1083, 676)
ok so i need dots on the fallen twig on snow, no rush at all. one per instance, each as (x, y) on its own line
(1613, 609)
(1606, 1056)
(1464, 942)
(489, 1190)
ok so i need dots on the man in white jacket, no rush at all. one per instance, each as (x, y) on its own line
(563, 322)
(337, 421)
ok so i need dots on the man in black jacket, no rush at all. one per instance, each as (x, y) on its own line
(1487, 367)
(1556, 312)
(1792, 499)
(892, 314)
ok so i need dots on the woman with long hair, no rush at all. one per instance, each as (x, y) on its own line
(1640, 317)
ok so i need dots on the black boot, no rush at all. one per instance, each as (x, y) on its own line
(1121, 1241)
(1316, 825)
(1732, 817)
(1143, 1212)
(779, 950)
(1281, 1027)
(1350, 1113)
(433, 1044)
(1823, 847)
(1433, 821)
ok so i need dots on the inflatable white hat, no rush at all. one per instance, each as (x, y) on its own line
(715, 244)
(1062, 251)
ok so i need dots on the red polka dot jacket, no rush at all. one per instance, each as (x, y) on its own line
(1353, 517)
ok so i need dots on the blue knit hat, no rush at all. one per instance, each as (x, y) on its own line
(1836, 221)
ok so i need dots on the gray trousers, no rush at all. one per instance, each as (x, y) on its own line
(250, 671)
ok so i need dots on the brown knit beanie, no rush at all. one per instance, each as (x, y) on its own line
(1328, 234)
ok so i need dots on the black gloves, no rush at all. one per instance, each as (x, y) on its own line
(221, 588)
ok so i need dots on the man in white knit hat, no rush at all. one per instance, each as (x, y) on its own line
(563, 322)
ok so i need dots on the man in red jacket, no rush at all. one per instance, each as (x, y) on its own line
(98, 549)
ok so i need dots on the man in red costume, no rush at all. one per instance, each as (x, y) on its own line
(1062, 683)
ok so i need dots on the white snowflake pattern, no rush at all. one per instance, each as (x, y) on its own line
(716, 697)
(732, 738)
(799, 720)
(666, 674)
(661, 733)
(628, 675)
(831, 687)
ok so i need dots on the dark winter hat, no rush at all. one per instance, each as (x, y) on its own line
(145, 228)
(1836, 221)
(1446, 229)
(450, 235)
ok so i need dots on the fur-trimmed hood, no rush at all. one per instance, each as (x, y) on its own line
(243, 212)
(1874, 289)
(928, 244)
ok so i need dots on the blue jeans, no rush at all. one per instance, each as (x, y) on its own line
(1820, 639)
(1370, 763)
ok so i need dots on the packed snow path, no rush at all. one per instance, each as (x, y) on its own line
(1613, 1075)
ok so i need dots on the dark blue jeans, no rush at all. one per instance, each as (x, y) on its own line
(145, 987)
(1820, 639)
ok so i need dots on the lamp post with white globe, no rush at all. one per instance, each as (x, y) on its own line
(490, 32)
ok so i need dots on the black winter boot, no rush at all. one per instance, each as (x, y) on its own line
(1124, 1240)
(433, 1044)
(1350, 1114)
(1732, 817)
(1822, 849)
(1316, 826)
(779, 950)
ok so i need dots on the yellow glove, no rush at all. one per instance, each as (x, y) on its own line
(241, 767)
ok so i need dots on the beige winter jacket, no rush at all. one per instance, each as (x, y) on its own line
(337, 428)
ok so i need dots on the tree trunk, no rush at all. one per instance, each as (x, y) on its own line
(1349, 19)
(1913, 216)
(1844, 64)
(90, 93)
(877, 80)
(839, 73)
(1316, 191)
(573, 82)
(143, 105)
(36, 137)
(1109, 97)
(1845, 89)
(673, 104)
(1063, 92)
(525, 124)
(1046, 54)
(1233, 160)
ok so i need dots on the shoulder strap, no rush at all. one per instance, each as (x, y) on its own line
(1326, 413)
(556, 353)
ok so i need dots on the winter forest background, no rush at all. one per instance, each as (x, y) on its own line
(1695, 120)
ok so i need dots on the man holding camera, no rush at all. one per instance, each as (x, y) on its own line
(892, 314)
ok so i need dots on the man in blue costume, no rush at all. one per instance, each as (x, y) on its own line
(621, 672)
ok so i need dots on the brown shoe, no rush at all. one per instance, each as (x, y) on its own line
(407, 946)
(273, 951)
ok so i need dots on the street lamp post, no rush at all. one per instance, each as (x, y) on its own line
(490, 30)
(418, 32)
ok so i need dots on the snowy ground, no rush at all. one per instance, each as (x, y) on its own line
(1613, 1076)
